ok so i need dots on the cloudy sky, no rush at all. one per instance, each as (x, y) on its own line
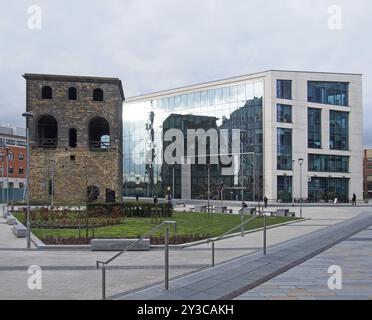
(160, 44)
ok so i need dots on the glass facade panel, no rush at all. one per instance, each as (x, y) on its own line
(327, 189)
(284, 113)
(314, 128)
(284, 149)
(339, 130)
(237, 106)
(328, 163)
(333, 93)
(285, 189)
(284, 89)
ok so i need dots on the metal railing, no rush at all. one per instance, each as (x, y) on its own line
(241, 227)
(148, 234)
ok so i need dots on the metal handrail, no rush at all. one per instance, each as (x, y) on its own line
(145, 236)
(241, 226)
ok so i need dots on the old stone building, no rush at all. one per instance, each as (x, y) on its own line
(76, 139)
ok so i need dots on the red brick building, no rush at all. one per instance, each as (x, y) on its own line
(367, 174)
(13, 144)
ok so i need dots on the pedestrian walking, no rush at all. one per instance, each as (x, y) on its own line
(354, 201)
(265, 202)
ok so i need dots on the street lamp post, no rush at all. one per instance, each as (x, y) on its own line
(52, 191)
(6, 170)
(293, 181)
(209, 186)
(173, 180)
(301, 162)
(2, 184)
(28, 116)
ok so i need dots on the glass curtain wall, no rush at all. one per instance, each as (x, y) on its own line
(241, 101)
(327, 189)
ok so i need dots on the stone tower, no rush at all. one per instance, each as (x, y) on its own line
(76, 139)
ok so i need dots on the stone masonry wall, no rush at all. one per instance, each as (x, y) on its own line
(75, 168)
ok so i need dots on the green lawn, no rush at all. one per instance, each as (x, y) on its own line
(187, 224)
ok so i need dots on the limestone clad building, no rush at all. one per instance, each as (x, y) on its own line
(75, 138)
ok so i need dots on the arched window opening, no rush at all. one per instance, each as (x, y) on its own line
(47, 132)
(72, 94)
(72, 138)
(47, 92)
(92, 193)
(97, 95)
(99, 134)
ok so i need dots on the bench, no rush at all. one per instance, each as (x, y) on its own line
(19, 231)
(200, 209)
(10, 220)
(251, 211)
(118, 245)
(282, 212)
(285, 213)
(220, 209)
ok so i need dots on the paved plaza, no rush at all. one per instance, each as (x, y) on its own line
(71, 274)
(309, 281)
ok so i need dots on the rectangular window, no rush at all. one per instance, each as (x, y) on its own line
(339, 130)
(333, 93)
(284, 113)
(284, 89)
(328, 163)
(314, 128)
(285, 188)
(284, 149)
(327, 189)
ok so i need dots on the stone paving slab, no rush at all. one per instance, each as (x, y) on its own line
(252, 270)
(309, 281)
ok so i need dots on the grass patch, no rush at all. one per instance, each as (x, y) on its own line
(188, 224)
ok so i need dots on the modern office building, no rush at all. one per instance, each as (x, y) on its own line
(283, 116)
(367, 174)
(13, 168)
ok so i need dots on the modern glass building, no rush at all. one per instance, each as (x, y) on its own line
(282, 116)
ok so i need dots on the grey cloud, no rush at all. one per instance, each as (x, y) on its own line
(159, 44)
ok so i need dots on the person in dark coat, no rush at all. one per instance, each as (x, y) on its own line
(266, 201)
(354, 200)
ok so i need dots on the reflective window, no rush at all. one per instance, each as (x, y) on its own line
(197, 99)
(178, 102)
(284, 89)
(339, 130)
(234, 94)
(190, 100)
(230, 107)
(241, 93)
(285, 188)
(219, 96)
(249, 91)
(328, 163)
(226, 94)
(314, 127)
(204, 98)
(284, 148)
(258, 89)
(333, 93)
(327, 189)
(184, 101)
(171, 104)
(284, 113)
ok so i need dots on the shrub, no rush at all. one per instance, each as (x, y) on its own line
(132, 209)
